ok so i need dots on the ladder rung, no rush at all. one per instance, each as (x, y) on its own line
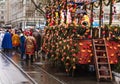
(104, 70)
(100, 51)
(102, 63)
(99, 41)
(99, 44)
(101, 56)
(104, 76)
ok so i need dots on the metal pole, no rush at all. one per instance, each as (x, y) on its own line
(111, 5)
(100, 18)
(91, 22)
(91, 15)
(100, 15)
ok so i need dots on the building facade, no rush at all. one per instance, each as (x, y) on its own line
(2, 12)
(22, 14)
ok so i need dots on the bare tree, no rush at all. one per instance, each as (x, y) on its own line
(40, 5)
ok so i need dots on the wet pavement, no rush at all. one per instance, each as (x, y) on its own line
(11, 74)
(44, 73)
(35, 72)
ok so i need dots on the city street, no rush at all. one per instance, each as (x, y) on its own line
(42, 73)
(11, 73)
(59, 41)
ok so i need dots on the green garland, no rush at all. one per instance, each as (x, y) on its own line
(61, 44)
(106, 4)
(96, 5)
(113, 31)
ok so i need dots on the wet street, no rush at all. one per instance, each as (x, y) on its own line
(33, 70)
(11, 74)
(43, 73)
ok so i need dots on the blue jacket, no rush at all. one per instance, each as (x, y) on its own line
(7, 41)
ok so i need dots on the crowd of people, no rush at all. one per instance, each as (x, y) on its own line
(27, 42)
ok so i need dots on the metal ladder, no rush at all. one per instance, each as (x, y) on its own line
(103, 69)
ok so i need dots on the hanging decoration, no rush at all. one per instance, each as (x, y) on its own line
(96, 4)
(114, 7)
(88, 7)
(66, 12)
(106, 3)
(114, 32)
(113, 10)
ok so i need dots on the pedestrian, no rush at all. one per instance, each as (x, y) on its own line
(30, 46)
(22, 45)
(15, 41)
(7, 41)
(2, 33)
(37, 37)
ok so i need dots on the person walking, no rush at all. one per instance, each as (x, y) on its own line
(22, 45)
(30, 46)
(2, 33)
(15, 41)
(7, 41)
(37, 37)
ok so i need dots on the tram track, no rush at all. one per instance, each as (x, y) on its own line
(50, 75)
(43, 77)
(8, 68)
(35, 73)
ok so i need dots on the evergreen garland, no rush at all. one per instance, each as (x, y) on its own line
(96, 4)
(106, 4)
(60, 44)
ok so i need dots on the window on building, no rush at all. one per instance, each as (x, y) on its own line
(30, 13)
(1, 7)
(2, 12)
(2, 17)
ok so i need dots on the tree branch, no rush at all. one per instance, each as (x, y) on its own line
(37, 7)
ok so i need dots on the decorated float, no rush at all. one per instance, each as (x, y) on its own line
(71, 39)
